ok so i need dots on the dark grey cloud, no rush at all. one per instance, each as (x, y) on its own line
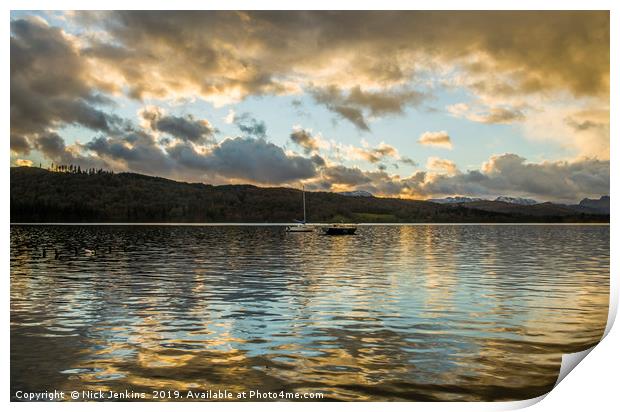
(259, 161)
(19, 144)
(356, 105)
(51, 84)
(510, 174)
(249, 126)
(50, 144)
(556, 179)
(318, 160)
(408, 161)
(344, 175)
(186, 128)
(53, 147)
(352, 114)
(304, 139)
(247, 159)
(135, 150)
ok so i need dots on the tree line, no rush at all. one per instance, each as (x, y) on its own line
(77, 195)
(76, 169)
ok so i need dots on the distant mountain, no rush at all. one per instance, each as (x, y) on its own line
(39, 195)
(538, 210)
(599, 205)
(357, 193)
(463, 199)
(516, 200)
(455, 199)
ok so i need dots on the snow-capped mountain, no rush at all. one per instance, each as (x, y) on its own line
(464, 199)
(357, 193)
(516, 200)
(456, 199)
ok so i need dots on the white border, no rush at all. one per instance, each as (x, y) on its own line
(310, 5)
(593, 385)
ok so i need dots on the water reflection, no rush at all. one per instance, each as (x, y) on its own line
(394, 313)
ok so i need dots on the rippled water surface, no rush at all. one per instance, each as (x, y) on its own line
(392, 313)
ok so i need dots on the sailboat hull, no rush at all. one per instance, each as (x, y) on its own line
(299, 229)
(339, 230)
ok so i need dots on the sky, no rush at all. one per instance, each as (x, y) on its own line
(404, 104)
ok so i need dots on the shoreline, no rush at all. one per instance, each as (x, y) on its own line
(307, 224)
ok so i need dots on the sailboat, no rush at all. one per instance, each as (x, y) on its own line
(301, 226)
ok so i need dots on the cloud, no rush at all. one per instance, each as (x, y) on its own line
(384, 149)
(589, 120)
(318, 160)
(342, 175)
(582, 131)
(23, 162)
(51, 85)
(19, 144)
(136, 150)
(510, 174)
(250, 126)
(520, 68)
(230, 117)
(185, 128)
(338, 152)
(305, 139)
(227, 56)
(357, 105)
(374, 154)
(489, 115)
(408, 161)
(559, 179)
(358, 64)
(436, 139)
(458, 109)
(506, 174)
(248, 159)
(218, 61)
(51, 145)
(244, 159)
(500, 115)
(258, 161)
(442, 165)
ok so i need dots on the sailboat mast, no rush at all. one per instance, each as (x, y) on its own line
(303, 192)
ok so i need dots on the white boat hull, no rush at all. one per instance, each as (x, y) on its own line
(299, 229)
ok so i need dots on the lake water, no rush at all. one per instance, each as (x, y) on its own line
(425, 312)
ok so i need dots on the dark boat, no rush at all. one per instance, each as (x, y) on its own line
(339, 229)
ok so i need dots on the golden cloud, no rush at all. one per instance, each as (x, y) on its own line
(437, 139)
(226, 56)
